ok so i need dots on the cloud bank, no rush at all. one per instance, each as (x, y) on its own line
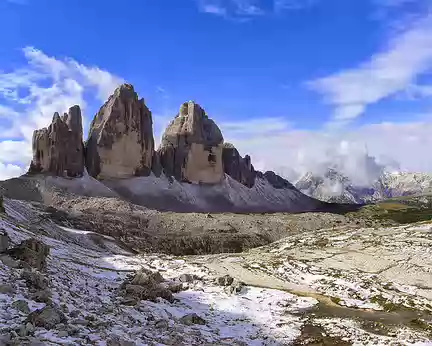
(30, 95)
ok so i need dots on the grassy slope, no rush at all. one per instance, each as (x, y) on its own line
(401, 209)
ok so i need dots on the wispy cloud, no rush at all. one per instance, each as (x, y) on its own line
(243, 9)
(30, 95)
(407, 56)
(283, 5)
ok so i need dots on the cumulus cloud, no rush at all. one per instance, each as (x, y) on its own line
(30, 95)
(362, 154)
(407, 56)
(9, 171)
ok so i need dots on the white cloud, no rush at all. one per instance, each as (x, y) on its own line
(281, 5)
(30, 95)
(394, 69)
(8, 171)
(244, 9)
(213, 8)
(361, 153)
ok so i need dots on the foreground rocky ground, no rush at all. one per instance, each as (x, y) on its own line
(340, 284)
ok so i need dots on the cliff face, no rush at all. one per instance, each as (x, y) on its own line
(58, 149)
(191, 148)
(121, 143)
(237, 167)
(193, 170)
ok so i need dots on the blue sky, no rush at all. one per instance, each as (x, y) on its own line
(292, 82)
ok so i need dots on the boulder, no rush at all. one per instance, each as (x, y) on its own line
(236, 167)
(191, 147)
(191, 319)
(59, 149)
(225, 280)
(42, 296)
(31, 251)
(47, 317)
(121, 143)
(21, 305)
(35, 280)
(145, 285)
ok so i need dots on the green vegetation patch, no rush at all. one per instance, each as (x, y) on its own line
(396, 211)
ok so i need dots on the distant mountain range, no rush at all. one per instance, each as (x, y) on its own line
(333, 186)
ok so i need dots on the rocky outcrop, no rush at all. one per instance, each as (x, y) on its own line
(121, 143)
(58, 149)
(32, 252)
(48, 317)
(191, 147)
(145, 285)
(236, 167)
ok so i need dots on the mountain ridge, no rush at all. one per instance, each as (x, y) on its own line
(332, 186)
(193, 170)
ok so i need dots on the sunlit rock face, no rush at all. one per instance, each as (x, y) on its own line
(191, 147)
(121, 142)
(58, 149)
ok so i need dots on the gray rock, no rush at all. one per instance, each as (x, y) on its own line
(9, 261)
(21, 305)
(146, 277)
(156, 164)
(191, 147)
(63, 334)
(175, 287)
(4, 239)
(59, 148)
(74, 313)
(7, 289)
(191, 319)
(151, 292)
(276, 181)
(145, 285)
(35, 280)
(162, 324)
(225, 280)
(42, 296)
(47, 317)
(187, 278)
(236, 167)
(26, 329)
(236, 287)
(121, 142)
(117, 341)
(80, 322)
(5, 339)
(31, 251)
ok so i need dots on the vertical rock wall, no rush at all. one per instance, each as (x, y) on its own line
(58, 149)
(191, 147)
(121, 143)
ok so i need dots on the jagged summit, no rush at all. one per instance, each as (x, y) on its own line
(121, 142)
(192, 170)
(191, 147)
(58, 149)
